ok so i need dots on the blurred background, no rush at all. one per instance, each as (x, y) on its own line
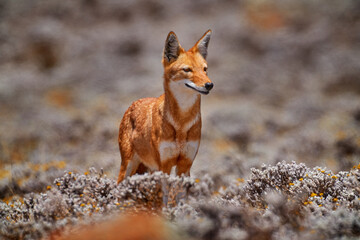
(286, 75)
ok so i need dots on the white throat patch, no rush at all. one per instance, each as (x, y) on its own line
(184, 96)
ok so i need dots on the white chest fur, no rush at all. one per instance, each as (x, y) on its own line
(185, 127)
(190, 149)
(169, 150)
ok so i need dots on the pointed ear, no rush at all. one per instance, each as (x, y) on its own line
(172, 48)
(203, 43)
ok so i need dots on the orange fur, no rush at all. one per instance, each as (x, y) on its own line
(159, 133)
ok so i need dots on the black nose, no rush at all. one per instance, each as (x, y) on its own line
(209, 86)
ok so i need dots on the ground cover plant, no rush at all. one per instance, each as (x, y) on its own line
(285, 201)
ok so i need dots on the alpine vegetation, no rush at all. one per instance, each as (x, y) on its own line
(284, 201)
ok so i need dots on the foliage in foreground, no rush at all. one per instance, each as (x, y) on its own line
(285, 201)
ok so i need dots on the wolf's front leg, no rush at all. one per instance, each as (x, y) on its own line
(183, 166)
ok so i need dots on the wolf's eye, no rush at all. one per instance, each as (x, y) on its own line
(187, 69)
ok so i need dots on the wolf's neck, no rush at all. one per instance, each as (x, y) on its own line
(182, 104)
